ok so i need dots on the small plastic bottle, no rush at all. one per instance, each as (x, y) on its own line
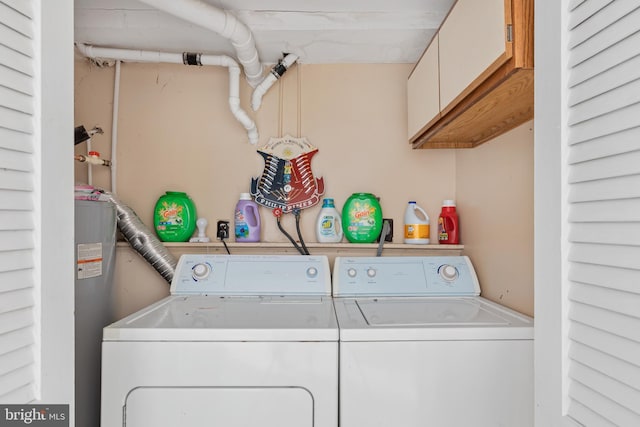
(416, 225)
(247, 220)
(328, 224)
(448, 226)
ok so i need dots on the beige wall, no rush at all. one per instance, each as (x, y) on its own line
(495, 204)
(175, 132)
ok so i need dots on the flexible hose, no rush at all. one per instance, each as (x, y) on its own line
(296, 212)
(383, 235)
(289, 237)
(143, 241)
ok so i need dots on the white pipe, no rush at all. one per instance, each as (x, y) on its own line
(177, 58)
(234, 105)
(276, 72)
(89, 170)
(114, 126)
(128, 55)
(289, 60)
(222, 22)
(92, 160)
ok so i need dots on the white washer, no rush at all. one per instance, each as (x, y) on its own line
(420, 347)
(241, 341)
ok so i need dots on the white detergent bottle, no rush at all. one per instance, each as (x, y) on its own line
(328, 224)
(416, 225)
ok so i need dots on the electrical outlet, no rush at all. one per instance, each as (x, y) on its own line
(223, 230)
(389, 236)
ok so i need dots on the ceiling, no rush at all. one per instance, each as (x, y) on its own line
(318, 31)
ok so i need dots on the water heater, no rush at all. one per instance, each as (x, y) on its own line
(95, 236)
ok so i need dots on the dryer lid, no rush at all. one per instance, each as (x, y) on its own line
(210, 318)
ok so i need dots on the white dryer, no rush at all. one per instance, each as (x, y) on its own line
(241, 341)
(419, 347)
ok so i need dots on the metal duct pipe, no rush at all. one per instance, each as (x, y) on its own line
(143, 240)
(187, 58)
(222, 22)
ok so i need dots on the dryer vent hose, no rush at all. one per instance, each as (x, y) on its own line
(143, 240)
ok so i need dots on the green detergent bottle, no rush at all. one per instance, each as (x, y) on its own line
(362, 218)
(175, 217)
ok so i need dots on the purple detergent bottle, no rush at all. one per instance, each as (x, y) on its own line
(247, 219)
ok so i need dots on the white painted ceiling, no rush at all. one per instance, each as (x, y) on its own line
(319, 31)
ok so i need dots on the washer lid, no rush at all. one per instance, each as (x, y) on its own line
(215, 318)
(428, 318)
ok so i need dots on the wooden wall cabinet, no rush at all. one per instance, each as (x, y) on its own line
(482, 61)
(423, 89)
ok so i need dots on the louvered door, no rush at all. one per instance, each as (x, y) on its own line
(17, 202)
(603, 137)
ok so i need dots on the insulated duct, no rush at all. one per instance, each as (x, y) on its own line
(143, 240)
(187, 58)
(221, 22)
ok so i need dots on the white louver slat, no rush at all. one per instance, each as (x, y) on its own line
(604, 213)
(17, 201)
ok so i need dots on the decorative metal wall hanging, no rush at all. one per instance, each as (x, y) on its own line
(287, 181)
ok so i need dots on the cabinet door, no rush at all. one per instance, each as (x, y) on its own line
(423, 93)
(472, 45)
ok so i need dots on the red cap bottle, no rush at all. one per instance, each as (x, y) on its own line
(448, 227)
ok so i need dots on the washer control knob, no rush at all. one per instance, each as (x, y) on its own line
(448, 272)
(312, 272)
(200, 271)
(371, 272)
(352, 272)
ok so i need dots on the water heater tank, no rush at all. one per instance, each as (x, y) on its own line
(95, 237)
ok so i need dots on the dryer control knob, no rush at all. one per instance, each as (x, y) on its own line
(371, 272)
(312, 272)
(352, 272)
(200, 271)
(448, 272)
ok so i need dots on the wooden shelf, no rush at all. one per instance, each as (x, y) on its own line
(330, 249)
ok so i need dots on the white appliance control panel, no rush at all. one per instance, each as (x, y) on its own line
(205, 274)
(405, 276)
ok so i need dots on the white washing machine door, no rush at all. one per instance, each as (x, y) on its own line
(219, 406)
(428, 318)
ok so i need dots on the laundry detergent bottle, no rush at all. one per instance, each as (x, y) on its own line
(328, 224)
(448, 225)
(175, 217)
(247, 219)
(416, 225)
(362, 218)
